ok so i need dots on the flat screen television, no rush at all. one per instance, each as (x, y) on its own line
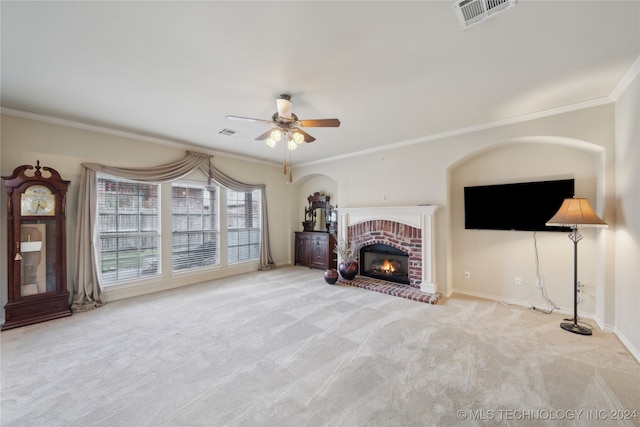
(525, 206)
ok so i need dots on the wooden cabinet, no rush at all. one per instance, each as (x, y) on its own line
(303, 243)
(315, 249)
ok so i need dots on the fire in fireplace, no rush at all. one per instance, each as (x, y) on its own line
(384, 262)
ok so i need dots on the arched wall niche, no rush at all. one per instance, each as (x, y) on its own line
(302, 188)
(577, 144)
(495, 258)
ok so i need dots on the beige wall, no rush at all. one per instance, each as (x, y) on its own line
(495, 258)
(627, 232)
(579, 144)
(64, 148)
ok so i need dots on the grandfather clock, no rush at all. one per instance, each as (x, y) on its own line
(36, 239)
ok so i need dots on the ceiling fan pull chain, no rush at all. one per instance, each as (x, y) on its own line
(290, 173)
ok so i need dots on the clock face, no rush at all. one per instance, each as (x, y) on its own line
(38, 200)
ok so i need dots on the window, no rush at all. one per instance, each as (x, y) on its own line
(194, 237)
(243, 233)
(129, 229)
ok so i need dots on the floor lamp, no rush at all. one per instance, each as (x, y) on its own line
(575, 213)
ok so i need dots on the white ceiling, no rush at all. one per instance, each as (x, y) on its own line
(392, 72)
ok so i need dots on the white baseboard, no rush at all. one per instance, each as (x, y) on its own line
(602, 326)
(530, 304)
(159, 284)
(625, 342)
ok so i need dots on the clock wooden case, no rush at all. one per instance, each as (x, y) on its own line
(36, 239)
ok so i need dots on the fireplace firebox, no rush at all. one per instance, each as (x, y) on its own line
(385, 262)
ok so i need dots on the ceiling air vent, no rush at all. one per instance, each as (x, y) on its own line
(228, 132)
(470, 12)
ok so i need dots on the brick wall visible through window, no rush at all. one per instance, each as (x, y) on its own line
(194, 230)
(129, 229)
(243, 232)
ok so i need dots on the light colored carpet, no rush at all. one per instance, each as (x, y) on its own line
(283, 348)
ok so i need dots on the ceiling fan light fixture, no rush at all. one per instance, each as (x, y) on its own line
(287, 125)
(298, 137)
(276, 134)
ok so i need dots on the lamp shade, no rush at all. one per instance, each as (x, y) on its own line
(576, 213)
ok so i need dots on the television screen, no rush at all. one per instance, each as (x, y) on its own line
(525, 206)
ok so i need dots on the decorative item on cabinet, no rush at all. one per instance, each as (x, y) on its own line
(36, 237)
(331, 219)
(309, 223)
(328, 215)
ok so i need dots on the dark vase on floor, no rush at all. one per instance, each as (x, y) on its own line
(331, 276)
(348, 270)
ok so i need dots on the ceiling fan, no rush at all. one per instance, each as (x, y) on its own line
(288, 125)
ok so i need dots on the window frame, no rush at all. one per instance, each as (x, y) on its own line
(214, 232)
(162, 263)
(133, 217)
(252, 233)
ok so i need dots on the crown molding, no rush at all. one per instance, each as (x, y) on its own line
(633, 71)
(627, 79)
(470, 129)
(631, 74)
(125, 134)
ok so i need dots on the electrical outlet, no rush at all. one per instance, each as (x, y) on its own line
(517, 281)
(467, 275)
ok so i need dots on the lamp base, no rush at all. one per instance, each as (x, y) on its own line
(575, 328)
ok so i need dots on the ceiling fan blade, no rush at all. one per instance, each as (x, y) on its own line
(307, 137)
(265, 135)
(320, 123)
(249, 119)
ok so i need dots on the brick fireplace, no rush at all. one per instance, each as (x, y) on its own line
(406, 228)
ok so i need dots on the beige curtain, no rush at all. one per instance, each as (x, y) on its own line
(86, 279)
(266, 262)
(87, 292)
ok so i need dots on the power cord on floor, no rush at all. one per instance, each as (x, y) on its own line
(516, 306)
(550, 304)
(537, 310)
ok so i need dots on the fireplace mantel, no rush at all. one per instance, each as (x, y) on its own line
(420, 217)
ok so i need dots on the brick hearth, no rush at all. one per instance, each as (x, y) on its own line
(408, 228)
(394, 289)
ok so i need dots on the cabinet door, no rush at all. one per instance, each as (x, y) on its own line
(302, 249)
(319, 251)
